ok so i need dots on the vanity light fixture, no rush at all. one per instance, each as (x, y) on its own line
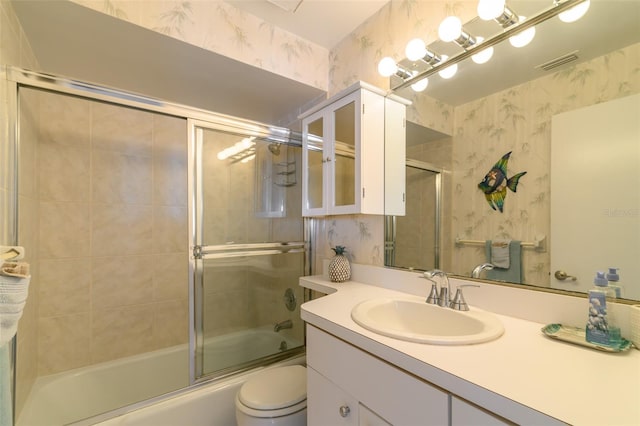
(449, 71)
(450, 29)
(524, 38)
(416, 50)
(519, 30)
(421, 85)
(483, 55)
(575, 12)
(498, 11)
(388, 67)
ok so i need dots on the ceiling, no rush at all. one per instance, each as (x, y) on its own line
(324, 22)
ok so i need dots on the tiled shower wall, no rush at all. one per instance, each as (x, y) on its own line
(112, 232)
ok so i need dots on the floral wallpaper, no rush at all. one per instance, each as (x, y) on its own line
(224, 29)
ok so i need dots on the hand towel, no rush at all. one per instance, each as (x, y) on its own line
(514, 273)
(500, 253)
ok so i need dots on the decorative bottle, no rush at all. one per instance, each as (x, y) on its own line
(339, 267)
(602, 327)
(614, 281)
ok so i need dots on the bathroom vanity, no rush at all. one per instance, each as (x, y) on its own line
(356, 376)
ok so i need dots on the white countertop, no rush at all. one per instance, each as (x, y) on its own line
(523, 368)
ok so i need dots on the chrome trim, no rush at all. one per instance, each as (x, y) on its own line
(107, 94)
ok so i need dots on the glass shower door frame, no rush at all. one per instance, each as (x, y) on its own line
(199, 252)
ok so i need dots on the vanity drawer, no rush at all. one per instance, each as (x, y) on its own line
(396, 396)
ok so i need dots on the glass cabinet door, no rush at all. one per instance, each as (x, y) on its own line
(315, 161)
(344, 171)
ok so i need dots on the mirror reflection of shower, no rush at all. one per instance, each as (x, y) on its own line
(413, 241)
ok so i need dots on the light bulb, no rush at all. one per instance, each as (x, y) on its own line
(524, 37)
(420, 85)
(484, 55)
(575, 12)
(449, 71)
(387, 66)
(415, 50)
(490, 9)
(450, 28)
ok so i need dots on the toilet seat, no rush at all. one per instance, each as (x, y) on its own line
(274, 392)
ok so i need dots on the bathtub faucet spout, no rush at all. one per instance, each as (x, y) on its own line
(282, 325)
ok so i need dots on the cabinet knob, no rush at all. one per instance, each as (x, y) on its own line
(345, 410)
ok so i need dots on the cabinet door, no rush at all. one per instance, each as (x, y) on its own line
(395, 158)
(314, 158)
(465, 414)
(327, 404)
(344, 160)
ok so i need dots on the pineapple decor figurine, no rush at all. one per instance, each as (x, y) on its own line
(339, 268)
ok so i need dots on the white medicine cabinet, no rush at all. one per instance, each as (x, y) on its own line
(343, 153)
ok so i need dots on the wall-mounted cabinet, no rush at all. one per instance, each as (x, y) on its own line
(343, 160)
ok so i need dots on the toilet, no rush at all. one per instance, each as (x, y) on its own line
(276, 396)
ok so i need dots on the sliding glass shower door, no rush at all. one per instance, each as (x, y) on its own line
(248, 249)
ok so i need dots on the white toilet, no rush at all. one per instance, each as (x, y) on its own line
(277, 396)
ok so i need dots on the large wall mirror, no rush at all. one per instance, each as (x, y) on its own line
(571, 125)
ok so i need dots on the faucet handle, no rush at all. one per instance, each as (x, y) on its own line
(458, 303)
(433, 298)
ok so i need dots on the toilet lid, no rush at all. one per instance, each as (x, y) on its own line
(275, 388)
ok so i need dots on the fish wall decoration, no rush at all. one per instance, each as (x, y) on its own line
(495, 183)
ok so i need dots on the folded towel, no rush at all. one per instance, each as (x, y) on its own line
(513, 274)
(500, 253)
(15, 269)
(14, 289)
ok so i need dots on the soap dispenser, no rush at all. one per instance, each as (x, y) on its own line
(614, 281)
(602, 328)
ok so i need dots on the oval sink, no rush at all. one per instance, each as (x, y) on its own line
(421, 322)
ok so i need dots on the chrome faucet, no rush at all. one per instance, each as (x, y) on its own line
(283, 325)
(440, 298)
(478, 269)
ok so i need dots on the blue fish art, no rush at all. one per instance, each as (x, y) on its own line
(495, 183)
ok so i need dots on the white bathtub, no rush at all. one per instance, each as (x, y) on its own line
(73, 395)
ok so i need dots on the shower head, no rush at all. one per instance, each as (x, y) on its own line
(274, 148)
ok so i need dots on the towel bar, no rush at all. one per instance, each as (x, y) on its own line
(539, 244)
(11, 252)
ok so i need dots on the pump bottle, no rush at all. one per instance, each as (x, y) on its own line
(602, 327)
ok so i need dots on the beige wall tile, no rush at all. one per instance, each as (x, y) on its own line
(63, 343)
(65, 120)
(169, 161)
(64, 173)
(120, 178)
(65, 286)
(171, 323)
(121, 129)
(121, 281)
(225, 312)
(121, 230)
(64, 229)
(121, 332)
(170, 229)
(170, 277)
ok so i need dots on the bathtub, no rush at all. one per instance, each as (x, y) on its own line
(81, 393)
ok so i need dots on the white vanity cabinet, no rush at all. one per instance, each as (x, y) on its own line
(347, 386)
(343, 152)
